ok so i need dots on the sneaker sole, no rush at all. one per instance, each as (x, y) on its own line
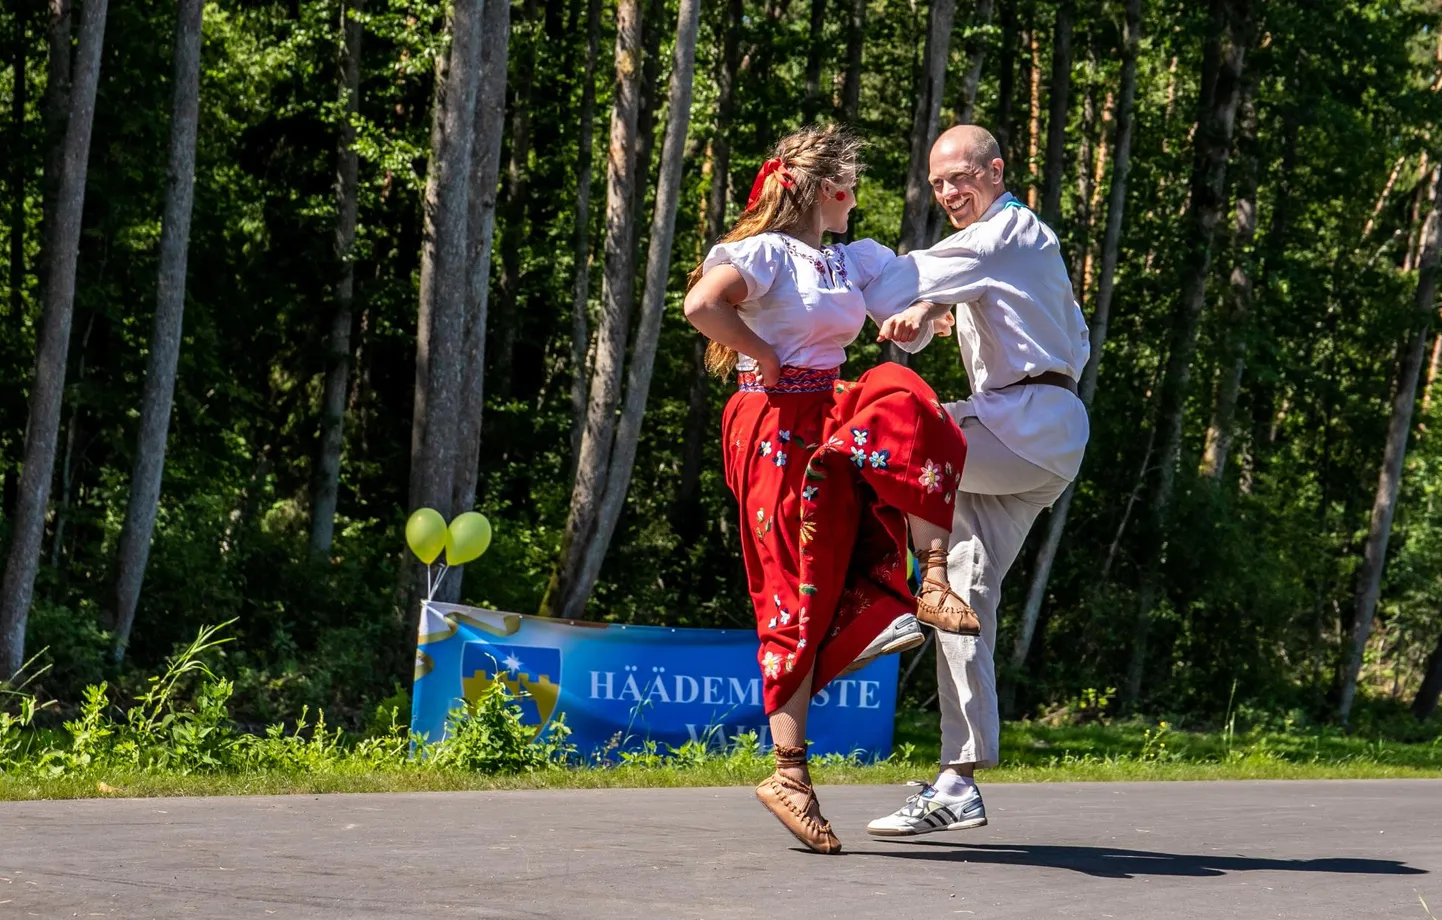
(920, 831)
(895, 647)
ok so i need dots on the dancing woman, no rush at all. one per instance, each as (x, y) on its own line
(829, 474)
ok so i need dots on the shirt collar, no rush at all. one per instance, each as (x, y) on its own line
(1002, 200)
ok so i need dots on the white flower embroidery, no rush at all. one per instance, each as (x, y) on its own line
(771, 664)
(765, 448)
(780, 458)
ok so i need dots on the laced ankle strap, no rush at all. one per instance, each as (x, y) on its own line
(929, 557)
(790, 756)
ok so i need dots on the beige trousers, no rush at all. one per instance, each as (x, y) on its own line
(1001, 496)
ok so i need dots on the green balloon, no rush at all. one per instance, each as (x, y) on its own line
(426, 534)
(467, 538)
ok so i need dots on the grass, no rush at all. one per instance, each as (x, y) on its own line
(1034, 754)
(178, 738)
(132, 784)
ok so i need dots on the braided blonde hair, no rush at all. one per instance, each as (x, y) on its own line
(788, 197)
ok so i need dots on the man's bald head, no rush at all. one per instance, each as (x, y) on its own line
(966, 173)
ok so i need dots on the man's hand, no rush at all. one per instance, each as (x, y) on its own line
(942, 326)
(905, 326)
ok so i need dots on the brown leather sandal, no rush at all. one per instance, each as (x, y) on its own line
(950, 613)
(794, 803)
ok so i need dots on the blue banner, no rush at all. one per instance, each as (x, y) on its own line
(621, 686)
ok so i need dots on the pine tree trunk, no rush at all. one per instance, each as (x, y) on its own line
(1111, 243)
(1221, 81)
(28, 527)
(513, 209)
(1099, 171)
(581, 236)
(337, 376)
(658, 267)
(1056, 125)
(931, 84)
(685, 518)
(485, 172)
(19, 157)
(1389, 480)
(1428, 695)
(976, 45)
(1239, 321)
(855, 45)
(563, 597)
(1033, 123)
(444, 264)
(815, 51)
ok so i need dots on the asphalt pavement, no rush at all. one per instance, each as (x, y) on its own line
(1316, 850)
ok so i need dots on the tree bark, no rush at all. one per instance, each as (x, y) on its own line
(658, 266)
(855, 44)
(1221, 82)
(1098, 172)
(1033, 123)
(485, 172)
(815, 51)
(444, 264)
(646, 116)
(28, 527)
(1006, 79)
(55, 111)
(686, 514)
(513, 211)
(931, 84)
(581, 235)
(19, 157)
(1389, 479)
(1101, 315)
(159, 394)
(1428, 695)
(1061, 57)
(976, 45)
(337, 377)
(1239, 323)
(563, 596)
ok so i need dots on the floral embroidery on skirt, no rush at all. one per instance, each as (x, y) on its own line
(826, 472)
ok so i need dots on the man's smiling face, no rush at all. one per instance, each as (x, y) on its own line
(963, 179)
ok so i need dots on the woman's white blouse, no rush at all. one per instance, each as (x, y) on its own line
(805, 303)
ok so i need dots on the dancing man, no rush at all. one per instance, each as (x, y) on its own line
(1023, 343)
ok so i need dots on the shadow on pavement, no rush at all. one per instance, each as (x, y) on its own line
(1109, 862)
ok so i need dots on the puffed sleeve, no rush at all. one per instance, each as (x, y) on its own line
(757, 258)
(865, 260)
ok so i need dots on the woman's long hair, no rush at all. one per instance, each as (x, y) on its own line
(787, 198)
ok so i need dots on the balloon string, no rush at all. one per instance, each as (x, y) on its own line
(439, 578)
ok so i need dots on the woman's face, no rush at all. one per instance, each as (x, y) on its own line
(838, 197)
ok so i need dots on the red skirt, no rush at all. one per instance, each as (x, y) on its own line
(826, 472)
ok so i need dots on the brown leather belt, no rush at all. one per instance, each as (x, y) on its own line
(1050, 378)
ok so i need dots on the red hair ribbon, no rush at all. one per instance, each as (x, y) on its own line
(770, 166)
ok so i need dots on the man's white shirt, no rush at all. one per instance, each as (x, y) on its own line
(1017, 318)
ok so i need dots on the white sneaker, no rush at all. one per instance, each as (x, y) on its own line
(902, 635)
(929, 811)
